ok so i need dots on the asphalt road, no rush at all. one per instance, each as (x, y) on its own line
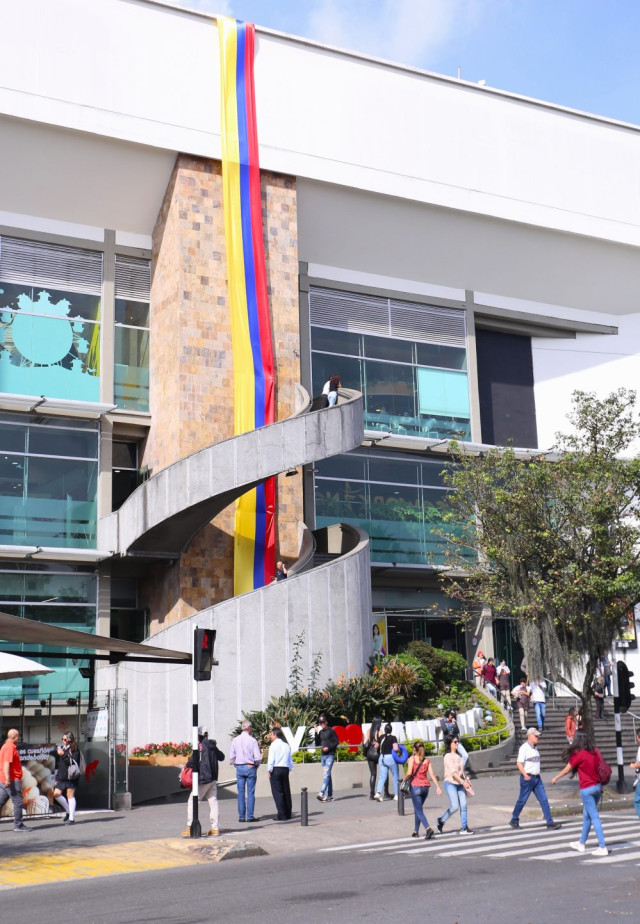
(528, 876)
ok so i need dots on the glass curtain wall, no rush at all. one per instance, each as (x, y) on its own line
(56, 594)
(398, 500)
(48, 481)
(412, 384)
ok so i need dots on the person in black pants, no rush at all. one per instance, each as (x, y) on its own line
(372, 752)
(279, 763)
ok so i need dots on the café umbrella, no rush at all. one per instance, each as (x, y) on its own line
(12, 665)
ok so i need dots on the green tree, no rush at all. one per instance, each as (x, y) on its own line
(556, 536)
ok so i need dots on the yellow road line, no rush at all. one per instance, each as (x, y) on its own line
(27, 869)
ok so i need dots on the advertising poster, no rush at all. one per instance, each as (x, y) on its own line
(379, 638)
(38, 780)
(628, 637)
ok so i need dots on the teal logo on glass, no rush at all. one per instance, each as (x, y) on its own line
(46, 351)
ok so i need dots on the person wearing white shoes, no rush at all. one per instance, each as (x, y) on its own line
(584, 757)
(388, 744)
(530, 781)
(456, 784)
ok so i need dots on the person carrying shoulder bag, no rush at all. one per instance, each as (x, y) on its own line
(419, 769)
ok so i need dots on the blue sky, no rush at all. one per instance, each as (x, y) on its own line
(578, 53)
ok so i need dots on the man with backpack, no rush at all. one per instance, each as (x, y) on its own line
(210, 755)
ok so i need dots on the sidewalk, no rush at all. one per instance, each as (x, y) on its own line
(351, 818)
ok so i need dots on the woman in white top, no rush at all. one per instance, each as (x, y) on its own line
(539, 700)
(456, 784)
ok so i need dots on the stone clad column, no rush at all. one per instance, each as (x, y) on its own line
(191, 364)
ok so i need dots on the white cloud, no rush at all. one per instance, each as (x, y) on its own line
(400, 30)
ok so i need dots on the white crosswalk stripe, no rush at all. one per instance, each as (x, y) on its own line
(531, 842)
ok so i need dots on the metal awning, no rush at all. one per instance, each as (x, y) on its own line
(28, 631)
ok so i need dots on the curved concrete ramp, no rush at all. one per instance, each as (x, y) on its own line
(164, 513)
(256, 633)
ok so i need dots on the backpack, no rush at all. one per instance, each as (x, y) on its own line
(604, 770)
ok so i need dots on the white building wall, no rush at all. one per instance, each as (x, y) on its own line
(143, 73)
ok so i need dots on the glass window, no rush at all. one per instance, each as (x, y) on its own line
(131, 385)
(393, 470)
(349, 465)
(333, 341)
(400, 351)
(324, 366)
(132, 314)
(437, 354)
(12, 439)
(389, 390)
(443, 393)
(47, 500)
(49, 342)
(341, 501)
(55, 441)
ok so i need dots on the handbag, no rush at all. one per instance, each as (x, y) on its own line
(73, 771)
(186, 778)
(405, 785)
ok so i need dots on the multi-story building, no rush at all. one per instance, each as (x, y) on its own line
(463, 257)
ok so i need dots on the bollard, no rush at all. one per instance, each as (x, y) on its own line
(304, 807)
(400, 801)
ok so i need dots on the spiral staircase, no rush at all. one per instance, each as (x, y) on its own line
(327, 594)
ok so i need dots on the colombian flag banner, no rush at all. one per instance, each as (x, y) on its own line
(253, 370)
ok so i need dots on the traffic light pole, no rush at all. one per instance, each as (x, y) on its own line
(620, 785)
(195, 830)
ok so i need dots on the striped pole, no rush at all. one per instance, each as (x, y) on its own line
(620, 785)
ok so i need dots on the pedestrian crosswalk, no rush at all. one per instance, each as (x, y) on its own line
(532, 841)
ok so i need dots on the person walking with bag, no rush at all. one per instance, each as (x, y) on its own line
(584, 757)
(69, 769)
(210, 756)
(327, 740)
(456, 784)
(416, 781)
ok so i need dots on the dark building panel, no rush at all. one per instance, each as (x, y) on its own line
(505, 380)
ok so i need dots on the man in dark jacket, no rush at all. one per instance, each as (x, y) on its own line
(327, 741)
(207, 782)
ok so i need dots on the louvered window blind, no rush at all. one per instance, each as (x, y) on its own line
(386, 317)
(133, 278)
(50, 266)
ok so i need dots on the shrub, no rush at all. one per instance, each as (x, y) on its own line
(446, 667)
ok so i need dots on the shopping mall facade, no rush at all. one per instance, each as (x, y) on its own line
(462, 257)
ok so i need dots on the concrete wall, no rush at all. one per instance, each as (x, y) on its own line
(255, 636)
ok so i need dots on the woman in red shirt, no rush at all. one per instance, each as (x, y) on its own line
(418, 770)
(584, 757)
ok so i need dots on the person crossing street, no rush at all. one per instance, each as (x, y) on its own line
(531, 782)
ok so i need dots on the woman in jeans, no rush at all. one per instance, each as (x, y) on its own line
(456, 784)
(584, 757)
(418, 770)
(388, 744)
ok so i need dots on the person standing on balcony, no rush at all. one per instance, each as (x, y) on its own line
(478, 663)
(330, 389)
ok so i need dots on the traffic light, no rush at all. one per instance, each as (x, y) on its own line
(625, 686)
(203, 660)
